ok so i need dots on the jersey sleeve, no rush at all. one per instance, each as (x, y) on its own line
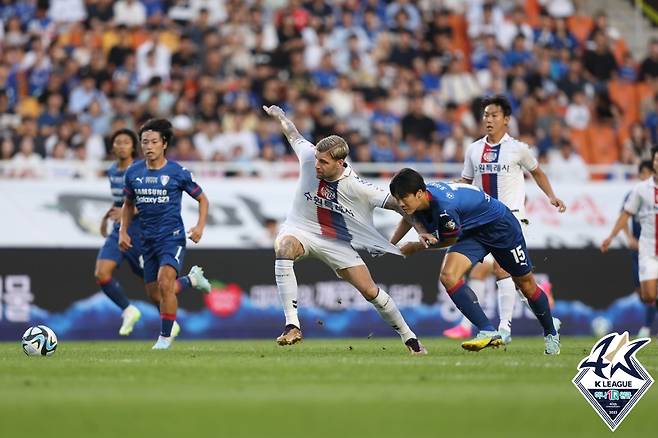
(449, 225)
(128, 189)
(633, 201)
(527, 160)
(370, 193)
(468, 172)
(189, 184)
(304, 149)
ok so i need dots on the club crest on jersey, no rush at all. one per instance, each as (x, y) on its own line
(327, 193)
(612, 379)
(490, 156)
(164, 179)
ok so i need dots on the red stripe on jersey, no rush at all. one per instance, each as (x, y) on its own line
(324, 216)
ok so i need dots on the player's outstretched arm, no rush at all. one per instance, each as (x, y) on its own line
(545, 185)
(424, 237)
(622, 221)
(287, 126)
(195, 233)
(127, 215)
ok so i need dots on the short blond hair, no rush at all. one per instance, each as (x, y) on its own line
(335, 145)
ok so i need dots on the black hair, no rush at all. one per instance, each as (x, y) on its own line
(654, 151)
(500, 101)
(133, 137)
(163, 126)
(405, 182)
(645, 164)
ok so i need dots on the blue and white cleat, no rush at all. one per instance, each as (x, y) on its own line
(198, 280)
(130, 315)
(505, 336)
(552, 345)
(483, 340)
(557, 324)
(175, 330)
(163, 343)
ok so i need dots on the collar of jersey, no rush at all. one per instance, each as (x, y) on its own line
(347, 172)
(505, 138)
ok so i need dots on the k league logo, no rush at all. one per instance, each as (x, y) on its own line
(611, 378)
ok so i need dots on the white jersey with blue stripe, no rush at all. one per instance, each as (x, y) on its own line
(340, 209)
(498, 170)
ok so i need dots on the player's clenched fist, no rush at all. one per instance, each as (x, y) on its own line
(124, 241)
(195, 233)
(274, 111)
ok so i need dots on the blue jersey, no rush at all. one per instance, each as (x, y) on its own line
(456, 208)
(157, 194)
(116, 177)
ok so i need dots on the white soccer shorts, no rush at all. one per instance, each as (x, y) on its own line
(648, 265)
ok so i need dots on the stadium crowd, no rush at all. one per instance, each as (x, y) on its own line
(401, 80)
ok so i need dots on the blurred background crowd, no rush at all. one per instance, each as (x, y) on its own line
(401, 80)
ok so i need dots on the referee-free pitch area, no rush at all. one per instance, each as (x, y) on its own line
(319, 388)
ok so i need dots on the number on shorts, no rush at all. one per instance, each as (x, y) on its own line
(180, 248)
(518, 253)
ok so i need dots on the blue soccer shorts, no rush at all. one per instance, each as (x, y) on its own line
(110, 249)
(159, 253)
(503, 238)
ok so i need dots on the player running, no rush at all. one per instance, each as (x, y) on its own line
(331, 211)
(472, 224)
(124, 146)
(154, 187)
(642, 203)
(496, 164)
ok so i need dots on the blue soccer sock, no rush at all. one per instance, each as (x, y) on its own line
(467, 303)
(114, 291)
(538, 302)
(183, 283)
(649, 314)
(167, 323)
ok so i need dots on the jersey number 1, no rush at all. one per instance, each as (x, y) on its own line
(519, 254)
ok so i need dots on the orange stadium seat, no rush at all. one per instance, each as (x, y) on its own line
(578, 139)
(580, 26)
(532, 10)
(603, 144)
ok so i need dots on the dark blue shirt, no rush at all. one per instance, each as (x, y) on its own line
(456, 207)
(116, 178)
(157, 194)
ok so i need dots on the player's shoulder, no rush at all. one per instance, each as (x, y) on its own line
(512, 142)
(136, 166)
(479, 143)
(643, 185)
(439, 188)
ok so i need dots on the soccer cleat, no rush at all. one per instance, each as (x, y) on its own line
(557, 323)
(131, 315)
(458, 332)
(163, 343)
(291, 335)
(415, 347)
(175, 330)
(644, 332)
(505, 336)
(483, 340)
(197, 279)
(552, 344)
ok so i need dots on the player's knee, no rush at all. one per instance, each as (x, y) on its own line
(448, 278)
(166, 287)
(370, 292)
(526, 284)
(102, 275)
(286, 248)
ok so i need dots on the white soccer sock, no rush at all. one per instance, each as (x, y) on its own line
(506, 298)
(390, 313)
(286, 283)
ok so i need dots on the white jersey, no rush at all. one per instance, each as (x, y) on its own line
(340, 209)
(498, 170)
(643, 203)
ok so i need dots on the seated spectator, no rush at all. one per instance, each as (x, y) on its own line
(600, 64)
(131, 13)
(382, 149)
(578, 113)
(455, 146)
(553, 138)
(184, 151)
(26, 163)
(638, 143)
(420, 152)
(416, 124)
(565, 165)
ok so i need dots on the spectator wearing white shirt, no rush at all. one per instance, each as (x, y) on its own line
(153, 58)
(578, 113)
(26, 163)
(67, 11)
(565, 164)
(131, 13)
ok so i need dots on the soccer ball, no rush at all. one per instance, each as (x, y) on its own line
(601, 326)
(39, 341)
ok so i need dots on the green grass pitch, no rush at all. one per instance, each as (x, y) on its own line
(319, 388)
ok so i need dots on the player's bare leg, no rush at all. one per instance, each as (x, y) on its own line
(648, 297)
(153, 292)
(359, 277)
(538, 302)
(129, 313)
(288, 249)
(168, 305)
(477, 283)
(452, 278)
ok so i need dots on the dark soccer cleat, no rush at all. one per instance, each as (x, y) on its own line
(291, 335)
(415, 347)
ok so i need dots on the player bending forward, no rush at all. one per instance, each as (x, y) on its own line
(472, 224)
(331, 211)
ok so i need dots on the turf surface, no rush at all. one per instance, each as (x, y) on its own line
(320, 388)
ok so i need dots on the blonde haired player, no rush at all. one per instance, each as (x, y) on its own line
(496, 164)
(331, 212)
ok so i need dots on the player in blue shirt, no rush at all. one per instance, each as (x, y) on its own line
(155, 186)
(124, 146)
(472, 224)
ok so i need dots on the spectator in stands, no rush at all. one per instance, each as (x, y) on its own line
(130, 13)
(578, 114)
(564, 164)
(26, 163)
(458, 85)
(381, 148)
(649, 66)
(455, 145)
(184, 151)
(416, 124)
(638, 144)
(600, 64)
(514, 26)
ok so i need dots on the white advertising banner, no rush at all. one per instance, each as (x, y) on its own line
(67, 213)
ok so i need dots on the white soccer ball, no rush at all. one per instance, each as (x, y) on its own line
(39, 341)
(601, 326)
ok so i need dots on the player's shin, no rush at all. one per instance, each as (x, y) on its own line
(286, 284)
(538, 302)
(114, 291)
(649, 314)
(506, 299)
(390, 313)
(467, 302)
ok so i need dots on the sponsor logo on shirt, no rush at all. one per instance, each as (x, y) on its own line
(493, 167)
(164, 179)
